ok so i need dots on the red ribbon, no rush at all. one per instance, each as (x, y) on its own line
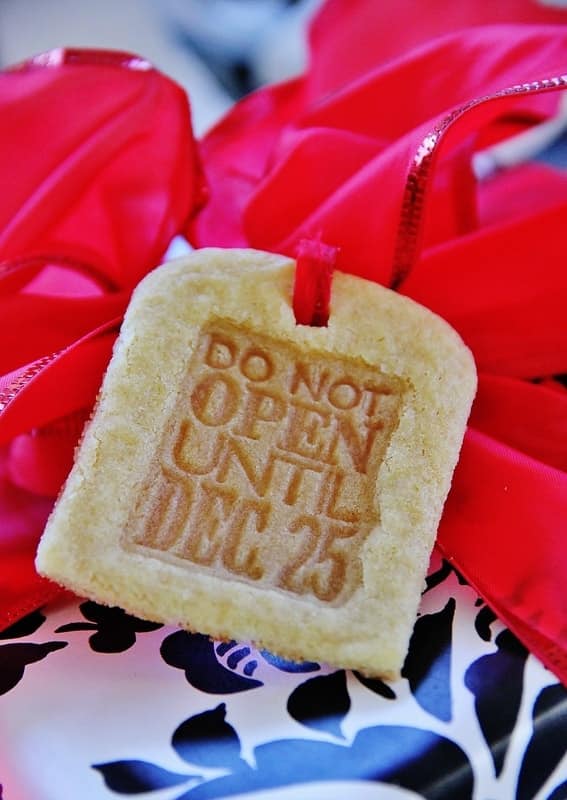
(100, 171)
(375, 157)
(369, 155)
(314, 266)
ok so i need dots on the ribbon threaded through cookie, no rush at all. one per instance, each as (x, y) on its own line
(312, 285)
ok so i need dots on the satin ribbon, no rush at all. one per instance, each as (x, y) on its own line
(99, 170)
(376, 158)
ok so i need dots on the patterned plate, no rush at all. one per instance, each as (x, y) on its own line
(96, 704)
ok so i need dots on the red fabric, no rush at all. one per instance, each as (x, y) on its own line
(503, 528)
(349, 37)
(99, 171)
(525, 416)
(372, 153)
(22, 518)
(355, 201)
(109, 169)
(369, 155)
(504, 286)
(312, 286)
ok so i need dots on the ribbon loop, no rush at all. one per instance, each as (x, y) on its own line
(312, 286)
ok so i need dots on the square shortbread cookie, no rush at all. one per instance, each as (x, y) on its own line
(254, 479)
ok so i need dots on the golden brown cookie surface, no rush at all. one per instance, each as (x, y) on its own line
(267, 468)
(255, 479)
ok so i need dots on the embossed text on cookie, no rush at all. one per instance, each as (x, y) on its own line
(268, 469)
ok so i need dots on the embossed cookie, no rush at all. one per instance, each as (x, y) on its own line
(251, 478)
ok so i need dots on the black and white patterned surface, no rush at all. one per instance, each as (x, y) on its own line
(97, 704)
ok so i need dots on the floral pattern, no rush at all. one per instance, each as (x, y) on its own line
(115, 631)
(474, 715)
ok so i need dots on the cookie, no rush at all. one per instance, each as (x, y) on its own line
(254, 479)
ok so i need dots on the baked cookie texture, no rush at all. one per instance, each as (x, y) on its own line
(254, 479)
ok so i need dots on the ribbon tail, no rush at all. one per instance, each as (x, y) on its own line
(42, 394)
(500, 530)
